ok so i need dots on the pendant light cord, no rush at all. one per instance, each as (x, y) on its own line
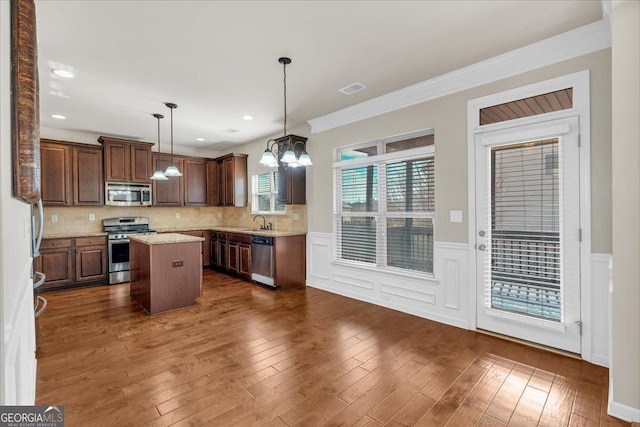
(158, 134)
(284, 68)
(171, 136)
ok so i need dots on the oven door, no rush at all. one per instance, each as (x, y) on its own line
(118, 261)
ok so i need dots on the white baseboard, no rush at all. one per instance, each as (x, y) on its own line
(623, 412)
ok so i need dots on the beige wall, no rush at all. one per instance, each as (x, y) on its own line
(72, 220)
(626, 205)
(447, 116)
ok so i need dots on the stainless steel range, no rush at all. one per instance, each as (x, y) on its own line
(119, 230)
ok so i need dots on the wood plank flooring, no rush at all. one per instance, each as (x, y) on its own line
(246, 355)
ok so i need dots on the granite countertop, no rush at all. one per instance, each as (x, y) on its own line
(241, 230)
(70, 235)
(166, 238)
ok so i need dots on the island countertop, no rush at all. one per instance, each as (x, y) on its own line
(165, 238)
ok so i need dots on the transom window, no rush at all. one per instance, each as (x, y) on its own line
(265, 194)
(385, 202)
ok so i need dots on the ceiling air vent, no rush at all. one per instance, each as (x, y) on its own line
(352, 88)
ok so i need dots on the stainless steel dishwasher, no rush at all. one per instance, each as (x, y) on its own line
(262, 260)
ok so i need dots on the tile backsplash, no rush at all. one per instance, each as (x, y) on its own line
(76, 219)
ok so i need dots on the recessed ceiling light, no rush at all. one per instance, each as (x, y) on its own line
(63, 73)
(58, 116)
(247, 117)
(200, 139)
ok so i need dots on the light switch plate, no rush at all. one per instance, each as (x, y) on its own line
(219, 214)
(455, 216)
(177, 215)
(54, 218)
(296, 216)
(92, 217)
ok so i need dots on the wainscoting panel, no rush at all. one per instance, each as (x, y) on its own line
(442, 298)
(19, 368)
(598, 326)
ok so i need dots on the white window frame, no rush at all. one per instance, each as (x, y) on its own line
(381, 215)
(273, 193)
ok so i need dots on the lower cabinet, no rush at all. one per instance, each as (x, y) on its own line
(206, 246)
(72, 262)
(231, 253)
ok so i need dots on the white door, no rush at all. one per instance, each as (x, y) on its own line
(528, 232)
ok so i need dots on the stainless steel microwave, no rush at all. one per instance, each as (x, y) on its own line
(125, 194)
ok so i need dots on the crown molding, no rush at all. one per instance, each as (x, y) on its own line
(581, 41)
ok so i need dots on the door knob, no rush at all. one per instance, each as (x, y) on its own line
(482, 247)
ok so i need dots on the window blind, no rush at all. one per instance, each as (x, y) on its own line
(524, 270)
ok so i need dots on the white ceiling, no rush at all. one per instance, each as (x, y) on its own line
(218, 59)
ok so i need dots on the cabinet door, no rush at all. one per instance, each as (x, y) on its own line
(88, 181)
(233, 262)
(55, 174)
(222, 254)
(245, 261)
(117, 166)
(214, 253)
(292, 185)
(167, 193)
(206, 248)
(195, 182)
(57, 266)
(140, 163)
(229, 181)
(212, 182)
(91, 263)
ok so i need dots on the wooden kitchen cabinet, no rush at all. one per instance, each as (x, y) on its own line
(56, 263)
(206, 245)
(72, 262)
(71, 174)
(290, 261)
(88, 180)
(195, 182)
(232, 180)
(170, 192)
(245, 261)
(126, 161)
(212, 182)
(55, 173)
(91, 259)
(292, 184)
(233, 257)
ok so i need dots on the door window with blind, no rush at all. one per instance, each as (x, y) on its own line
(385, 203)
(265, 194)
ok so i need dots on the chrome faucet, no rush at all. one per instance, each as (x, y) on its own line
(264, 225)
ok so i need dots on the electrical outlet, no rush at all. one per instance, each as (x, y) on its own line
(92, 217)
(54, 218)
(219, 214)
(177, 215)
(177, 263)
(296, 216)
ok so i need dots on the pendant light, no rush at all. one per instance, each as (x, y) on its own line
(158, 175)
(282, 151)
(172, 170)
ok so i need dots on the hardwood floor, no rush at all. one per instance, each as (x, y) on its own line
(245, 355)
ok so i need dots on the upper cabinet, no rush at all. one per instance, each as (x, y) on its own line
(126, 161)
(292, 184)
(194, 173)
(232, 180)
(71, 174)
(169, 192)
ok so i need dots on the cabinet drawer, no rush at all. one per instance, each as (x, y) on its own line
(240, 238)
(91, 241)
(55, 243)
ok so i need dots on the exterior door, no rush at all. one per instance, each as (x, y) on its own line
(528, 232)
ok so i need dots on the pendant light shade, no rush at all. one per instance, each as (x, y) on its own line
(172, 170)
(158, 175)
(288, 150)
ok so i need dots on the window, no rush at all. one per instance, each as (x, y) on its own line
(265, 194)
(385, 203)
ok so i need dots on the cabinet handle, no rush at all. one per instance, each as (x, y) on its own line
(53, 244)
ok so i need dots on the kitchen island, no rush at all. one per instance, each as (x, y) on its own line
(166, 271)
